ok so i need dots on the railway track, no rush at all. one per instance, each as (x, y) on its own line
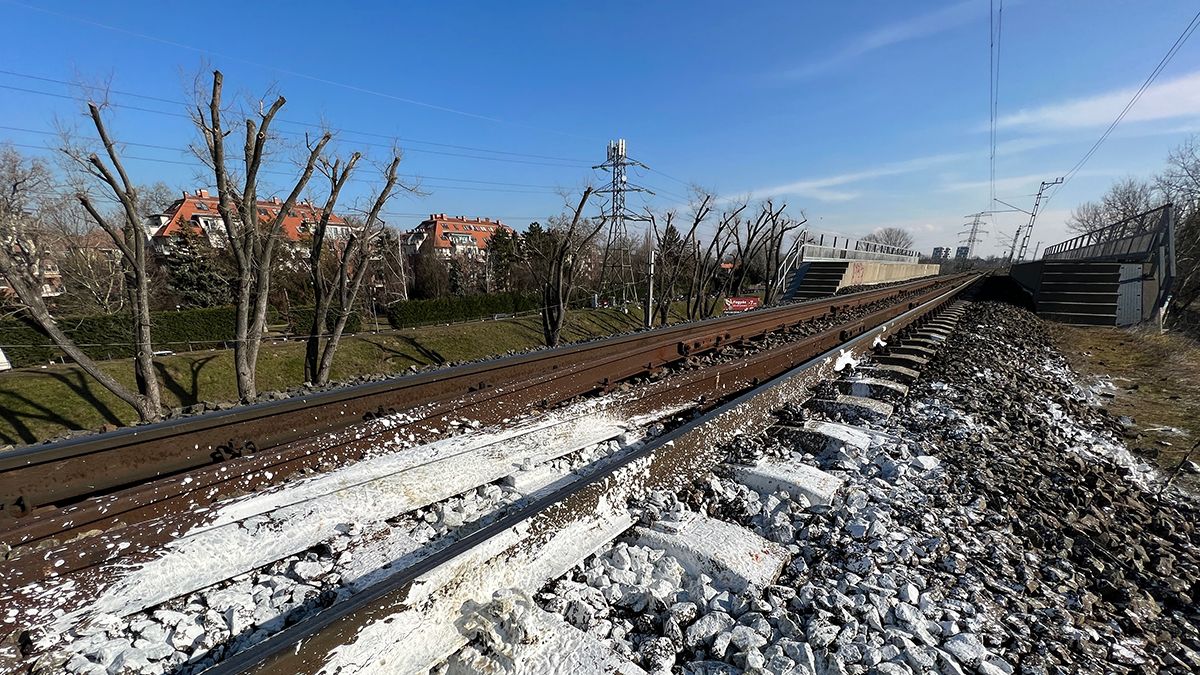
(153, 515)
(34, 478)
(530, 547)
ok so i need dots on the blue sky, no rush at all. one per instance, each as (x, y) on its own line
(862, 114)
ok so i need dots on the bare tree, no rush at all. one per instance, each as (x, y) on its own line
(1179, 184)
(352, 263)
(252, 235)
(776, 258)
(675, 254)
(1124, 199)
(555, 256)
(748, 242)
(891, 236)
(24, 260)
(126, 228)
(708, 283)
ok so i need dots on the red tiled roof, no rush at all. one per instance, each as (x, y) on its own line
(191, 207)
(439, 226)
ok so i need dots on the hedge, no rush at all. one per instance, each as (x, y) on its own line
(458, 308)
(110, 336)
(299, 321)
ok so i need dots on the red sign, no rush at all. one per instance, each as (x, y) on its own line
(742, 304)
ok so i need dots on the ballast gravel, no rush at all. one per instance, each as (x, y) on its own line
(995, 525)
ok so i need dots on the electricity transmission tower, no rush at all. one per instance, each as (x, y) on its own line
(972, 233)
(616, 271)
(1033, 216)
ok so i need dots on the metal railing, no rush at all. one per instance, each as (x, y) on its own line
(1145, 238)
(837, 247)
(1135, 239)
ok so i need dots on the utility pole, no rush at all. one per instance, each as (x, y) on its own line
(617, 266)
(1035, 250)
(1033, 216)
(650, 292)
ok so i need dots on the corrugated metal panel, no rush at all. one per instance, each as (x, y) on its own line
(1129, 297)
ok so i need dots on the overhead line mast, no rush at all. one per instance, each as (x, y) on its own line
(1037, 202)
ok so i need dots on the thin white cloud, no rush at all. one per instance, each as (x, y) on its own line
(1173, 99)
(950, 16)
(820, 188)
(1010, 184)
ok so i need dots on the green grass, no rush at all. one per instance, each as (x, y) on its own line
(42, 403)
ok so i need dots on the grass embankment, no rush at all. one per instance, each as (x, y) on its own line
(1156, 380)
(41, 403)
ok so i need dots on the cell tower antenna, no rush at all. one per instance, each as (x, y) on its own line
(617, 268)
(1033, 216)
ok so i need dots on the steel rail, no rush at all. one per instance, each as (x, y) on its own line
(68, 471)
(668, 461)
(151, 522)
(700, 388)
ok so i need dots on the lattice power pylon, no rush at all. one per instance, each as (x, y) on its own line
(972, 233)
(617, 273)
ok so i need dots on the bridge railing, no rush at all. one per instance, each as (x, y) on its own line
(837, 247)
(1135, 239)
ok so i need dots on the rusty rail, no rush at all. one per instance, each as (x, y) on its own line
(668, 461)
(68, 471)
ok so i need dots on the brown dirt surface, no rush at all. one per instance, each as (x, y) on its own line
(1152, 379)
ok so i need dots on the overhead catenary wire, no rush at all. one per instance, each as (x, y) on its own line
(996, 31)
(1162, 64)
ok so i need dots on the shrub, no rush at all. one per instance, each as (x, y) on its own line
(456, 308)
(299, 321)
(108, 336)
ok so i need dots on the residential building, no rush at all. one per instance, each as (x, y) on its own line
(941, 252)
(199, 213)
(448, 236)
(962, 252)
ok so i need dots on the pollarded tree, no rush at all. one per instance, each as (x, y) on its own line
(353, 255)
(252, 234)
(676, 254)
(555, 257)
(24, 260)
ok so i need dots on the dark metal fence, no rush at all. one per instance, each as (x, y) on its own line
(1135, 239)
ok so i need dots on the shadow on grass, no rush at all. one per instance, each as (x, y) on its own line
(392, 352)
(429, 353)
(77, 382)
(17, 420)
(187, 395)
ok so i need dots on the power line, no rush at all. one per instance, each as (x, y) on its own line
(1162, 64)
(67, 83)
(185, 151)
(199, 165)
(314, 78)
(125, 106)
(996, 31)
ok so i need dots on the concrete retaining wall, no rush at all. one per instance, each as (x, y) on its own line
(860, 272)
